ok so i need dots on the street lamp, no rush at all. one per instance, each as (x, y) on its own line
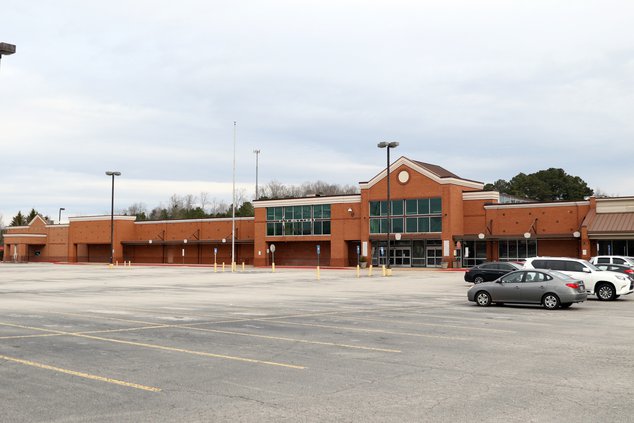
(59, 219)
(113, 174)
(257, 155)
(388, 145)
(6, 49)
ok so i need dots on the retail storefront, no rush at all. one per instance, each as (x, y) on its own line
(436, 219)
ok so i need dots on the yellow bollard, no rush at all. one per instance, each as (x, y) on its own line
(318, 276)
(370, 270)
(223, 266)
(243, 266)
(358, 270)
(384, 273)
(233, 266)
(273, 267)
(215, 267)
(389, 272)
(117, 263)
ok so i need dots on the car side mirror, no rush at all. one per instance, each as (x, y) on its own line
(585, 269)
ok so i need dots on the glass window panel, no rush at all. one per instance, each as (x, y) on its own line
(397, 208)
(305, 212)
(522, 249)
(383, 208)
(423, 224)
(375, 208)
(481, 249)
(317, 227)
(326, 230)
(278, 213)
(423, 206)
(289, 213)
(435, 224)
(503, 249)
(278, 229)
(383, 226)
(411, 206)
(397, 225)
(532, 248)
(317, 212)
(326, 211)
(618, 247)
(630, 248)
(512, 249)
(270, 229)
(412, 225)
(306, 228)
(270, 213)
(375, 226)
(435, 205)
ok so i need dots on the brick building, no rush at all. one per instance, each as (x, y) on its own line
(438, 219)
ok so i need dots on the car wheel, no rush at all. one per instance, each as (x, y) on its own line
(566, 305)
(478, 279)
(605, 292)
(483, 299)
(551, 301)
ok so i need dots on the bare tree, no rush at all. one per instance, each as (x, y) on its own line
(204, 200)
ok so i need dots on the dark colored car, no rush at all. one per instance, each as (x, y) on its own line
(620, 268)
(549, 288)
(490, 271)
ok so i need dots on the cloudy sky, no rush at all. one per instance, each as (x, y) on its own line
(486, 89)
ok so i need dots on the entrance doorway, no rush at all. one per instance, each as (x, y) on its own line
(401, 256)
(434, 256)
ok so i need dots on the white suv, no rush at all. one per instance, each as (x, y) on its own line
(623, 260)
(604, 284)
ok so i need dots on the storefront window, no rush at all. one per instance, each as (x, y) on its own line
(423, 216)
(298, 220)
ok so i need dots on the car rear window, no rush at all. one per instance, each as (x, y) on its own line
(561, 275)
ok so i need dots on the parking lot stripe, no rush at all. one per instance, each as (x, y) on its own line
(422, 335)
(160, 347)
(80, 374)
(441, 325)
(305, 341)
(189, 326)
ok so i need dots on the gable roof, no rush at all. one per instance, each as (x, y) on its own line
(434, 172)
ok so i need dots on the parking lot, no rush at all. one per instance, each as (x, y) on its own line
(162, 344)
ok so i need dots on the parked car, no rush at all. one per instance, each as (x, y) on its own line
(546, 287)
(624, 260)
(606, 285)
(489, 271)
(619, 268)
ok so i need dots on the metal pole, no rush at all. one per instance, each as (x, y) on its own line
(257, 155)
(112, 222)
(389, 220)
(233, 208)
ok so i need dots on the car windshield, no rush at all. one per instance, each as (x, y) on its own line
(561, 275)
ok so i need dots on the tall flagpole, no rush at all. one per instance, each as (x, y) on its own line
(233, 207)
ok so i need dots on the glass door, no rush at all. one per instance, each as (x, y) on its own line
(434, 256)
(401, 256)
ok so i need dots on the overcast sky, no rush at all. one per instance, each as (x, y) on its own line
(486, 89)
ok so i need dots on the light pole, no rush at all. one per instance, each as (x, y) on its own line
(59, 219)
(388, 145)
(113, 174)
(257, 155)
(6, 49)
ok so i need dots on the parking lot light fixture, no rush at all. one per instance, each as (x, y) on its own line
(388, 145)
(113, 174)
(6, 49)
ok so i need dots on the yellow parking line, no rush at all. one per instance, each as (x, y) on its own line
(80, 374)
(159, 347)
(422, 335)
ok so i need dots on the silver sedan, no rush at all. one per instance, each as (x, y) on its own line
(549, 288)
